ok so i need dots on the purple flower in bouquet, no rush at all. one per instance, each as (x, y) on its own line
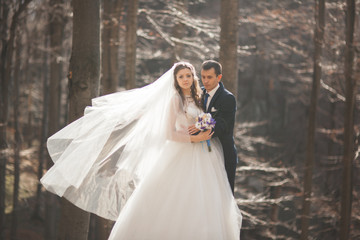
(205, 122)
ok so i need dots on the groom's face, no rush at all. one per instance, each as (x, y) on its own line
(209, 79)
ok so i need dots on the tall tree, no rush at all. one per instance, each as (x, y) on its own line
(102, 227)
(110, 45)
(111, 17)
(130, 41)
(44, 131)
(179, 28)
(29, 83)
(350, 93)
(56, 28)
(229, 17)
(3, 116)
(17, 144)
(310, 145)
(84, 77)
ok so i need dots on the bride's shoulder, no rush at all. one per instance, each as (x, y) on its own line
(176, 99)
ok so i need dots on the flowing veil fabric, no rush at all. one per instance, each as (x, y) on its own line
(100, 158)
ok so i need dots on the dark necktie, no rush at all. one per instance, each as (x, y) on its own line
(205, 100)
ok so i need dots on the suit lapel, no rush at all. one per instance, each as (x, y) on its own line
(216, 95)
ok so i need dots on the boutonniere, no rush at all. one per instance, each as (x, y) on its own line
(213, 109)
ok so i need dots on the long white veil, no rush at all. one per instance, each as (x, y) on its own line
(100, 158)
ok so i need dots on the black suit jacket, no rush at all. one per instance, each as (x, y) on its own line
(222, 108)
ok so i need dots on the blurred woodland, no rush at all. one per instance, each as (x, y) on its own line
(294, 66)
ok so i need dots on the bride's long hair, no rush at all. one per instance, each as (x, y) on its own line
(195, 89)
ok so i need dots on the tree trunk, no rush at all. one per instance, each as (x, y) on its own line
(56, 30)
(310, 146)
(84, 79)
(229, 43)
(8, 71)
(130, 53)
(275, 192)
(350, 93)
(29, 83)
(179, 30)
(100, 228)
(103, 228)
(3, 117)
(110, 45)
(44, 133)
(56, 26)
(17, 144)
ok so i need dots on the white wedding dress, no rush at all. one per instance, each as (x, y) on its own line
(186, 196)
(130, 159)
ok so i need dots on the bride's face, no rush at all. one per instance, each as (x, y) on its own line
(185, 79)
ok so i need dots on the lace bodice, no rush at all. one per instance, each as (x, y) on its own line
(191, 110)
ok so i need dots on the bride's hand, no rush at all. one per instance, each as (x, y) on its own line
(202, 136)
(192, 129)
(207, 135)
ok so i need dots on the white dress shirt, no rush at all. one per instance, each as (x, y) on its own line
(211, 94)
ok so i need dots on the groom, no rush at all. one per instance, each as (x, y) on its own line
(221, 104)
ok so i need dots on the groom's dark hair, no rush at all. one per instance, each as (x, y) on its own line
(207, 65)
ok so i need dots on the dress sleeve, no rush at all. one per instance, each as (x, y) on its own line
(177, 125)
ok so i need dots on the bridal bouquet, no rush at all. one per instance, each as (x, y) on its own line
(205, 122)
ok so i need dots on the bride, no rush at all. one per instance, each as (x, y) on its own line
(131, 159)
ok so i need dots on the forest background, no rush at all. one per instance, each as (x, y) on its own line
(293, 65)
